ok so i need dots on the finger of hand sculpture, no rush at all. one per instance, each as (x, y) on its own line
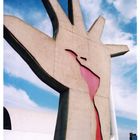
(49, 60)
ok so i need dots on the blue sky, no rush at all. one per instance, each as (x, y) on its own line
(120, 28)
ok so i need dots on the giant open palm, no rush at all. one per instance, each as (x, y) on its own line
(75, 63)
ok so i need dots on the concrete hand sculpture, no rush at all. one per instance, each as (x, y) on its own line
(75, 63)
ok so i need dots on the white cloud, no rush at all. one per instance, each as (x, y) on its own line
(110, 1)
(46, 27)
(131, 56)
(18, 98)
(113, 34)
(125, 98)
(126, 7)
(123, 86)
(16, 66)
(89, 11)
(8, 10)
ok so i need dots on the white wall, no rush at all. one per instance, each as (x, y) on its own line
(32, 125)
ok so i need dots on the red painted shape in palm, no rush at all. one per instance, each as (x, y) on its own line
(93, 82)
